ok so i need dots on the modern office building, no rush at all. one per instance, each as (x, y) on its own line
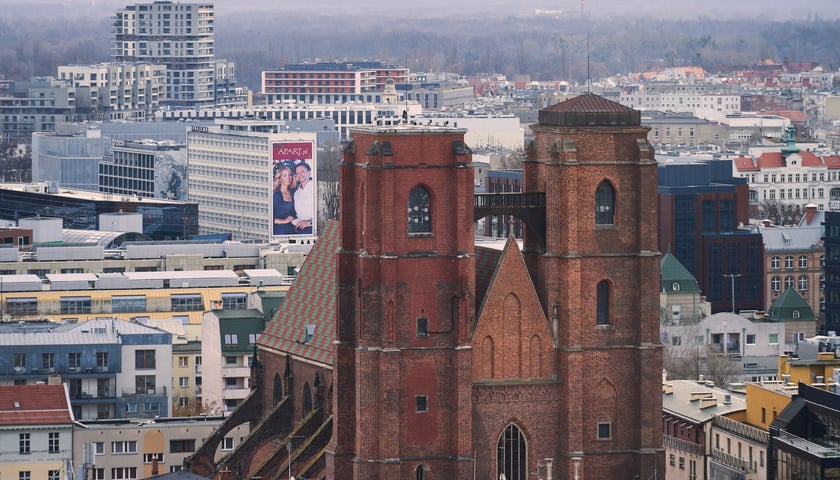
(702, 209)
(81, 209)
(116, 91)
(831, 243)
(801, 436)
(330, 82)
(148, 169)
(230, 174)
(177, 35)
(69, 158)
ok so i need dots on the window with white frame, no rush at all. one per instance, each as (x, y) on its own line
(124, 446)
(123, 473)
(227, 443)
(151, 457)
(54, 442)
(803, 261)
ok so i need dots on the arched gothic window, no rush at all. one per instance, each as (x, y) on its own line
(419, 211)
(278, 389)
(603, 303)
(605, 204)
(418, 472)
(513, 454)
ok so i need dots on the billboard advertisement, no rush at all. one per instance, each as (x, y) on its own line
(294, 193)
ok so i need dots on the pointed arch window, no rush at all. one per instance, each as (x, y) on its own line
(603, 303)
(513, 454)
(419, 211)
(278, 389)
(307, 399)
(605, 204)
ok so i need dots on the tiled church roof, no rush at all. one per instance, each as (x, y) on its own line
(589, 110)
(310, 301)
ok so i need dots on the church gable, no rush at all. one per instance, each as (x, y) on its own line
(512, 338)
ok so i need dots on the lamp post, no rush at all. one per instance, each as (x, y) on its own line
(732, 277)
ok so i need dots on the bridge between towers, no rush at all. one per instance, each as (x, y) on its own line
(528, 207)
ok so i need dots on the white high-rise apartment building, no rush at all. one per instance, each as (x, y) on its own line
(116, 91)
(178, 35)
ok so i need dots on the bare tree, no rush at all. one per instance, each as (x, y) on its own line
(15, 162)
(778, 213)
(690, 362)
(329, 157)
(193, 407)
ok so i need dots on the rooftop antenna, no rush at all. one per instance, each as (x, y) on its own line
(588, 76)
(405, 93)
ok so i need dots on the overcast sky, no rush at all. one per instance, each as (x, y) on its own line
(685, 9)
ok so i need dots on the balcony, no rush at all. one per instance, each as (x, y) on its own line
(731, 461)
(236, 371)
(136, 392)
(808, 445)
(235, 393)
(99, 394)
(682, 445)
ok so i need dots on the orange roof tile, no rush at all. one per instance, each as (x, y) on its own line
(745, 164)
(770, 160)
(34, 404)
(809, 159)
(832, 161)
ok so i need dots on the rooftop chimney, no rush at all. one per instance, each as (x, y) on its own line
(810, 213)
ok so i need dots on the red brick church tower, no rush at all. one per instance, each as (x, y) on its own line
(405, 307)
(597, 275)
(457, 361)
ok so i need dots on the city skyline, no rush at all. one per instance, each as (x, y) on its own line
(772, 10)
